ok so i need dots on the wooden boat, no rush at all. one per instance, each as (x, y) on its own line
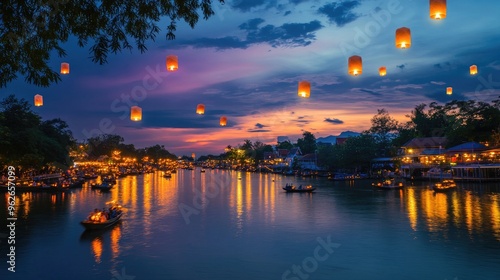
(292, 188)
(389, 184)
(202, 170)
(444, 186)
(167, 175)
(97, 220)
(104, 186)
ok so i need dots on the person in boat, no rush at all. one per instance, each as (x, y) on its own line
(300, 187)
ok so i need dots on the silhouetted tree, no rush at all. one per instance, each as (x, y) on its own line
(307, 143)
(32, 30)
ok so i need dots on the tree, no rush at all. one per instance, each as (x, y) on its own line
(285, 145)
(307, 143)
(103, 144)
(29, 142)
(30, 31)
(383, 125)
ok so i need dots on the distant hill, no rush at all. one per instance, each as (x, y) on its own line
(332, 139)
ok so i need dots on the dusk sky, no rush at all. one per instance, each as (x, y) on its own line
(245, 63)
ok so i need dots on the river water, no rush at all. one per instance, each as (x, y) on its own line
(236, 225)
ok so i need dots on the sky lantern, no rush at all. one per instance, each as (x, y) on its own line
(355, 65)
(172, 63)
(473, 69)
(135, 113)
(200, 109)
(382, 71)
(449, 90)
(64, 68)
(437, 9)
(403, 38)
(38, 100)
(304, 89)
(223, 121)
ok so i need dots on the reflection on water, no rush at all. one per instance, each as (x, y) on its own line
(96, 246)
(240, 224)
(442, 212)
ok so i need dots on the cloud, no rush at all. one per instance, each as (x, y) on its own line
(258, 130)
(372, 92)
(287, 13)
(259, 125)
(340, 13)
(286, 35)
(245, 5)
(334, 121)
(438, 83)
(402, 66)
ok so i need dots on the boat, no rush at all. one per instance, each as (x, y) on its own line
(104, 186)
(167, 174)
(202, 170)
(389, 184)
(109, 178)
(102, 219)
(292, 188)
(444, 185)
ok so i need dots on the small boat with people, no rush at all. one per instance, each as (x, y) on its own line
(104, 186)
(445, 185)
(292, 188)
(100, 219)
(389, 184)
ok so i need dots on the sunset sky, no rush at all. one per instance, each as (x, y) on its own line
(245, 63)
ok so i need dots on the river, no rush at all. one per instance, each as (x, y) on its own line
(225, 224)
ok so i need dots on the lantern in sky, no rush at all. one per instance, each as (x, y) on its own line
(38, 100)
(437, 9)
(200, 109)
(403, 38)
(223, 121)
(172, 63)
(135, 113)
(449, 90)
(64, 68)
(355, 65)
(304, 89)
(473, 69)
(382, 71)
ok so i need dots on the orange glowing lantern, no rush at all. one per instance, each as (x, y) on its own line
(304, 89)
(449, 90)
(135, 113)
(403, 38)
(382, 71)
(223, 121)
(64, 68)
(355, 65)
(172, 63)
(38, 100)
(473, 69)
(200, 109)
(437, 9)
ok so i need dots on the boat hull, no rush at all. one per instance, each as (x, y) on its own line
(91, 225)
(299, 190)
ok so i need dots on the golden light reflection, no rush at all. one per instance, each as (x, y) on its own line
(116, 234)
(96, 246)
(148, 197)
(412, 208)
(239, 203)
(495, 217)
